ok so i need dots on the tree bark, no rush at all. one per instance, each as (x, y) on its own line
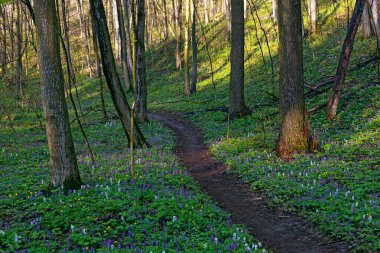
(206, 11)
(124, 52)
(141, 87)
(344, 59)
(86, 33)
(19, 66)
(275, 10)
(4, 42)
(227, 6)
(294, 136)
(366, 21)
(313, 11)
(237, 107)
(166, 23)
(195, 51)
(99, 71)
(179, 34)
(116, 27)
(63, 162)
(127, 7)
(375, 18)
(110, 72)
(186, 50)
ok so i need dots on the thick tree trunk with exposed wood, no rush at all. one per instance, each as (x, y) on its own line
(294, 136)
(141, 87)
(63, 162)
(344, 59)
(110, 72)
(237, 107)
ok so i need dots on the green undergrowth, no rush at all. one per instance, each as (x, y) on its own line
(161, 210)
(336, 188)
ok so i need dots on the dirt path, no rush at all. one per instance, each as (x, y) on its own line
(277, 231)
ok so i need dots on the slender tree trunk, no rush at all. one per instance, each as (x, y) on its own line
(72, 78)
(99, 71)
(275, 10)
(375, 18)
(206, 11)
(166, 22)
(294, 134)
(123, 40)
(63, 162)
(141, 87)
(19, 67)
(179, 35)
(127, 7)
(195, 51)
(4, 42)
(344, 59)
(237, 107)
(86, 33)
(116, 23)
(227, 6)
(109, 67)
(186, 50)
(313, 11)
(366, 21)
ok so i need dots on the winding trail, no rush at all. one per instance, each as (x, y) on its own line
(276, 230)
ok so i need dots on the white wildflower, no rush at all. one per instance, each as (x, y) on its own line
(2, 232)
(174, 218)
(205, 246)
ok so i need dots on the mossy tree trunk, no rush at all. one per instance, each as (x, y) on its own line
(237, 107)
(63, 162)
(294, 136)
(110, 72)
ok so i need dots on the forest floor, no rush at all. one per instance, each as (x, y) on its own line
(279, 231)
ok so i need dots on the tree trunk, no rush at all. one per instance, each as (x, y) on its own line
(99, 71)
(237, 107)
(166, 24)
(186, 50)
(375, 18)
(127, 7)
(195, 51)
(366, 21)
(344, 59)
(110, 72)
(294, 136)
(116, 31)
(141, 87)
(123, 40)
(19, 67)
(227, 6)
(179, 34)
(275, 10)
(4, 42)
(206, 11)
(313, 10)
(63, 162)
(86, 33)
